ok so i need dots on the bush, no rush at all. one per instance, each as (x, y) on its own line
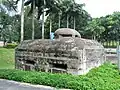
(10, 45)
(105, 77)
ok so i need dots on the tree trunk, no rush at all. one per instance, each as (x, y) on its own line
(59, 21)
(67, 21)
(22, 21)
(94, 38)
(74, 23)
(43, 25)
(50, 26)
(4, 42)
(43, 21)
(4, 39)
(33, 22)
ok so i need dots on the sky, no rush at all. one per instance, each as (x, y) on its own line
(98, 8)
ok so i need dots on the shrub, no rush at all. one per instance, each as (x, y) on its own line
(10, 45)
(105, 77)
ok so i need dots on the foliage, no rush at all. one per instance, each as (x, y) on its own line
(49, 5)
(72, 10)
(94, 28)
(7, 31)
(11, 45)
(111, 24)
(6, 58)
(13, 33)
(28, 26)
(110, 44)
(8, 5)
(105, 29)
(52, 8)
(105, 77)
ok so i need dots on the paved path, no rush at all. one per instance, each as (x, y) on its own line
(12, 85)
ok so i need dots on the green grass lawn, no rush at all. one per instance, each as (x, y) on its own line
(6, 58)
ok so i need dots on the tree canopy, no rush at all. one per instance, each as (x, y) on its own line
(59, 12)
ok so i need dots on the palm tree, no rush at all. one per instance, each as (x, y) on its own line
(78, 11)
(12, 4)
(54, 11)
(72, 10)
(66, 8)
(34, 4)
(42, 5)
(32, 11)
(75, 11)
(59, 12)
(22, 18)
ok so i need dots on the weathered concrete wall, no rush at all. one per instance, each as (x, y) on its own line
(69, 55)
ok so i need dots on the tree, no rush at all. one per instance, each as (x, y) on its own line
(8, 31)
(22, 17)
(8, 5)
(6, 22)
(112, 27)
(95, 29)
(82, 16)
(65, 7)
(28, 26)
(76, 11)
(53, 12)
(42, 5)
